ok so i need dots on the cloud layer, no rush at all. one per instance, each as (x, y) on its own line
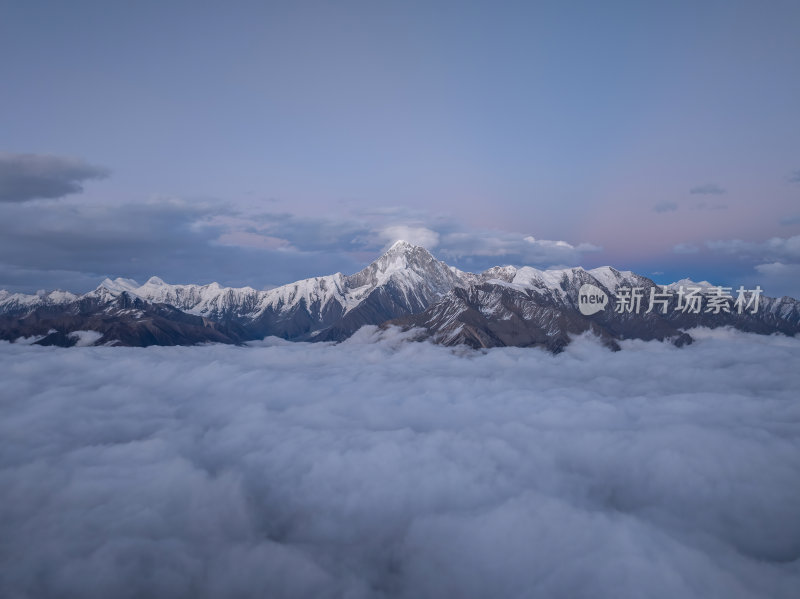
(75, 244)
(34, 176)
(401, 469)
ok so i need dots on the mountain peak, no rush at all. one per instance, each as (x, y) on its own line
(402, 259)
(403, 254)
(401, 245)
(689, 283)
(119, 284)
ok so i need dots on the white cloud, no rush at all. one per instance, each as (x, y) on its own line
(421, 236)
(401, 469)
(516, 248)
(779, 269)
(85, 338)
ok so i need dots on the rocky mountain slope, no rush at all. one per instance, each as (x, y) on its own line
(116, 319)
(527, 307)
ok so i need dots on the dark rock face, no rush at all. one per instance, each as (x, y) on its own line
(126, 320)
(383, 303)
(493, 314)
(297, 323)
(407, 286)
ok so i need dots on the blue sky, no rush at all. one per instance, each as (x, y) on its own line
(257, 143)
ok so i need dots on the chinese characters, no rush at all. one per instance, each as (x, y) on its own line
(688, 299)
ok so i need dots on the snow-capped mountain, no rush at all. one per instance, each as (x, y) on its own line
(527, 306)
(689, 283)
(405, 280)
(20, 302)
(116, 319)
(410, 275)
(406, 286)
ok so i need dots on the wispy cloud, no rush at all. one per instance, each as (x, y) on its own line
(795, 176)
(779, 269)
(665, 207)
(503, 247)
(707, 189)
(202, 241)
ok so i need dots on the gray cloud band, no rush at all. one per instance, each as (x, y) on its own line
(26, 177)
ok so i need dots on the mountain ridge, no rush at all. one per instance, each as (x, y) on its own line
(405, 286)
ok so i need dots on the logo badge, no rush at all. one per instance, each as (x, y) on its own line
(591, 299)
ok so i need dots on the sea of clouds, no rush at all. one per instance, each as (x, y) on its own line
(385, 468)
